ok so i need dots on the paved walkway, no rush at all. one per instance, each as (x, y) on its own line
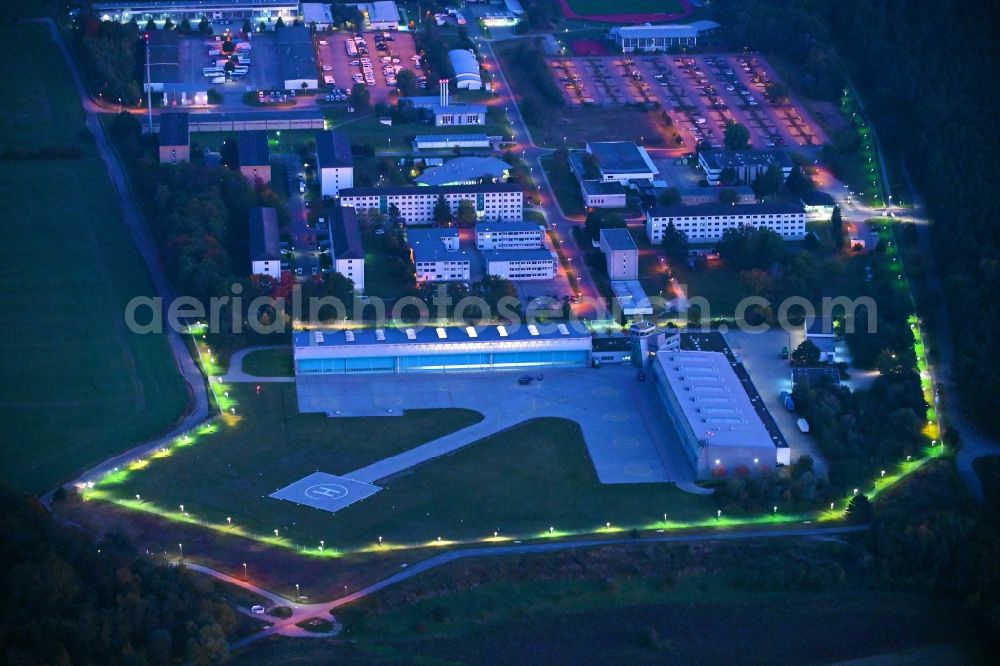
(621, 441)
(300, 612)
(236, 375)
(133, 219)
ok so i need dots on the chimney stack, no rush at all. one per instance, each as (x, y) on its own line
(444, 91)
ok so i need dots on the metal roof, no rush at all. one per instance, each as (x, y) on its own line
(431, 189)
(345, 234)
(618, 239)
(462, 169)
(264, 234)
(333, 149)
(719, 209)
(713, 400)
(174, 129)
(432, 335)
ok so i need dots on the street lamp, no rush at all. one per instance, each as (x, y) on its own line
(297, 595)
(775, 509)
(229, 521)
(246, 576)
(275, 533)
(181, 547)
(322, 544)
(718, 514)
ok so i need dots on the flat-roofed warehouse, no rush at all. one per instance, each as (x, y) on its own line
(297, 56)
(719, 427)
(443, 349)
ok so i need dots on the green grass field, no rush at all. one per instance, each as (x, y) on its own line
(77, 386)
(269, 363)
(520, 482)
(598, 7)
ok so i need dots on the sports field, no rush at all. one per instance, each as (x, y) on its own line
(77, 387)
(622, 7)
(521, 482)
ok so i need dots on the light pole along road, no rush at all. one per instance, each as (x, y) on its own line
(301, 612)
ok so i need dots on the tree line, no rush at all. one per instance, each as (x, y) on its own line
(69, 599)
(928, 84)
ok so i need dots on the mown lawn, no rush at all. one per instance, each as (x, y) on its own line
(269, 363)
(77, 386)
(519, 482)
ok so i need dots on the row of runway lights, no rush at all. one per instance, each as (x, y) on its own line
(184, 515)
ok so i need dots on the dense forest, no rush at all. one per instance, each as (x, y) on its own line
(70, 600)
(927, 74)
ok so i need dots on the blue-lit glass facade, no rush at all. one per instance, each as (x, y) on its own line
(470, 361)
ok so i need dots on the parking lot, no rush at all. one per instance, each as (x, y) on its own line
(375, 61)
(701, 94)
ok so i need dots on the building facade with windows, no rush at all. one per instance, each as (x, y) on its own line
(437, 256)
(195, 10)
(650, 38)
(746, 165)
(493, 201)
(441, 349)
(621, 254)
(515, 265)
(334, 162)
(265, 250)
(520, 235)
(707, 223)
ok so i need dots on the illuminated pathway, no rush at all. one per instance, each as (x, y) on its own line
(132, 217)
(301, 612)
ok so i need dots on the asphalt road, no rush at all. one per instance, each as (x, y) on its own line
(132, 217)
(300, 612)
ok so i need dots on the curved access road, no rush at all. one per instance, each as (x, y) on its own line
(300, 612)
(132, 216)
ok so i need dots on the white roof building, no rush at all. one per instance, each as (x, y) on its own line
(466, 69)
(720, 428)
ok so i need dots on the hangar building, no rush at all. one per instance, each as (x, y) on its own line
(442, 349)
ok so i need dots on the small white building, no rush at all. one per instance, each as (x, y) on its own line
(437, 257)
(347, 253)
(383, 15)
(746, 165)
(265, 249)
(466, 67)
(514, 265)
(706, 223)
(606, 168)
(334, 162)
(518, 235)
(621, 254)
(818, 205)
